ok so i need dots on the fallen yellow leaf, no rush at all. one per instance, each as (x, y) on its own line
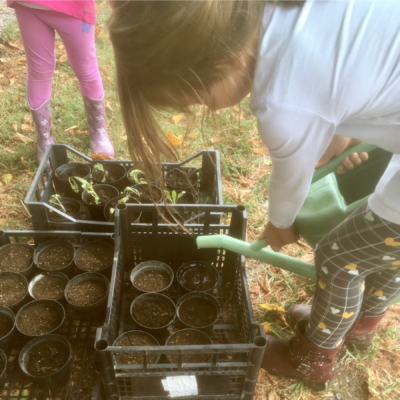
(261, 151)
(56, 71)
(26, 127)
(12, 81)
(15, 126)
(236, 108)
(174, 140)
(21, 138)
(21, 61)
(3, 221)
(7, 178)
(71, 128)
(272, 307)
(267, 327)
(108, 105)
(109, 79)
(63, 58)
(1, 76)
(28, 118)
(177, 118)
(5, 60)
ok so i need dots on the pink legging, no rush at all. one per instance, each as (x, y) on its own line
(38, 29)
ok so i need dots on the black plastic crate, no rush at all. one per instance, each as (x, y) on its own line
(84, 382)
(209, 187)
(238, 344)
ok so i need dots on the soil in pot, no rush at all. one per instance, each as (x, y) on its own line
(86, 293)
(181, 179)
(108, 176)
(15, 258)
(12, 290)
(197, 279)
(38, 320)
(55, 257)
(46, 358)
(153, 313)
(188, 337)
(79, 170)
(69, 210)
(145, 196)
(152, 281)
(197, 312)
(135, 339)
(105, 195)
(48, 287)
(5, 327)
(95, 258)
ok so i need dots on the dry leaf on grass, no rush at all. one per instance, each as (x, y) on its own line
(217, 140)
(16, 44)
(174, 140)
(3, 221)
(108, 105)
(21, 61)
(21, 138)
(272, 307)
(109, 79)
(273, 396)
(261, 152)
(177, 118)
(63, 58)
(7, 178)
(26, 127)
(28, 118)
(12, 81)
(97, 156)
(72, 128)
(5, 60)
(267, 327)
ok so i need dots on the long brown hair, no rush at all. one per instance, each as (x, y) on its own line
(166, 51)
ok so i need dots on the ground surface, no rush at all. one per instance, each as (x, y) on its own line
(245, 164)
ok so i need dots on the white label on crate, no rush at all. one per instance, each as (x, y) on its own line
(181, 385)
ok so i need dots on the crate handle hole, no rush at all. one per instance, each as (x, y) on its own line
(101, 345)
(259, 341)
(121, 206)
(240, 208)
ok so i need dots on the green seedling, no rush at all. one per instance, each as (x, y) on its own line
(126, 193)
(85, 186)
(173, 196)
(100, 167)
(55, 199)
(134, 175)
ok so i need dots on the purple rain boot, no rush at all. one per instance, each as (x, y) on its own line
(42, 119)
(97, 126)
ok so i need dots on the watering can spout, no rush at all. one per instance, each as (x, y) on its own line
(255, 250)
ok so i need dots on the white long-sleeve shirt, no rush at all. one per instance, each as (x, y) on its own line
(329, 67)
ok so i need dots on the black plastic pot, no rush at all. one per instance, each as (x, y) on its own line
(97, 210)
(151, 359)
(148, 215)
(180, 216)
(45, 246)
(190, 178)
(65, 201)
(10, 316)
(186, 275)
(88, 276)
(206, 297)
(105, 270)
(64, 172)
(28, 271)
(18, 277)
(57, 377)
(134, 216)
(152, 266)
(55, 305)
(3, 358)
(117, 171)
(58, 275)
(133, 182)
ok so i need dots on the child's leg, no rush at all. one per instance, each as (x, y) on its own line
(38, 38)
(363, 247)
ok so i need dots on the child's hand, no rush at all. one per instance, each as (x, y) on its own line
(277, 238)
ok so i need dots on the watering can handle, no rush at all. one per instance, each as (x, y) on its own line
(258, 244)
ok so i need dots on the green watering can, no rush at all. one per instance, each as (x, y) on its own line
(331, 199)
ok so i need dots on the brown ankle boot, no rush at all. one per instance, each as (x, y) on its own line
(361, 334)
(299, 358)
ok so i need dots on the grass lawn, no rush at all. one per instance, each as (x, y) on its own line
(245, 164)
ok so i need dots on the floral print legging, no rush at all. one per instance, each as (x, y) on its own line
(358, 273)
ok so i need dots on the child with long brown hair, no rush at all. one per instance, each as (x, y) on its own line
(317, 71)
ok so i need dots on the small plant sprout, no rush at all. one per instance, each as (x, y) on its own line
(85, 186)
(55, 199)
(100, 167)
(134, 175)
(126, 193)
(173, 196)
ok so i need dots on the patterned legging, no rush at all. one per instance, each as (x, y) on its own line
(358, 272)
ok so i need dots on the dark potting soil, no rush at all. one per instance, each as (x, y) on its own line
(86, 293)
(197, 279)
(12, 290)
(153, 313)
(95, 258)
(105, 196)
(48, 287)
(181, 179)
(152, 281)
(5, 327)
(185, 338)
(135, 339)
(107, 176)
(69, 210)
(38, 320)
(15, 258)
(197, 312)
(55, 257)
(80, 171)
(113, 204)
(46, 358)
(145, 196)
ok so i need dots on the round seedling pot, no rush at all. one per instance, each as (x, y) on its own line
(135, 216)
(188, 337)
(87, 292)
(55, 255)
(3, 368)
(131, 179)
(7, 325)
(66, 171)
(48, 286)
(197, 276)
(72, 209)
(152, 277)
(135, 339)
(153, 312)
(180, 215)
(182, 178)
(145, 196)
(114, 175)
(40, 317)
(46, 359)
(17, 257)
(199, 311)
(96, 256)
(13, 290)
(106, 193)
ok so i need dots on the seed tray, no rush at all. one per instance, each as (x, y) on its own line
(84, 382)
(209, 187)
(238, 343)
